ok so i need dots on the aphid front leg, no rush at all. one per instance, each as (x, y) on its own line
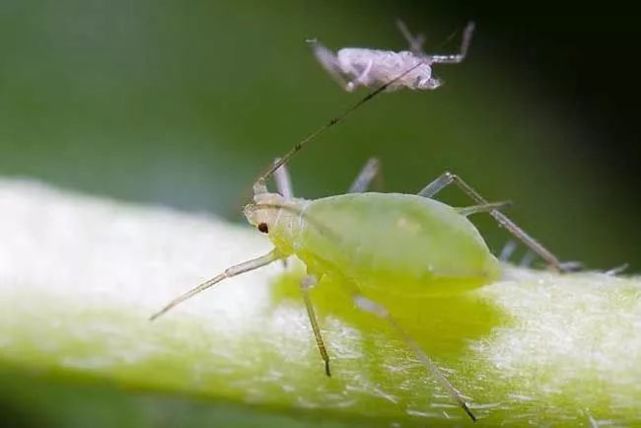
(380, 311)
(369, 172)
(306, 283)
(361, 79)
(230, 272)
(448, 178)
(283, 181)
(507, 251)
(284, 187)
(330, 63)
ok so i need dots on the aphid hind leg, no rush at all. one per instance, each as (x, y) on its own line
(306, 283)
(448, 178)
(483, 208)
(459, 57)
(370, 171)
(367, 305)
(230, 272)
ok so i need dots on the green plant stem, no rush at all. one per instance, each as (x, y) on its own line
(79, 277)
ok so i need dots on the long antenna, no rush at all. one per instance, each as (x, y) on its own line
(335, 121)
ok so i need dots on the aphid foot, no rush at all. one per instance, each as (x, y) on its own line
(469, 411)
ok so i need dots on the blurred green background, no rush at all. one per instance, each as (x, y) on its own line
(183, 103)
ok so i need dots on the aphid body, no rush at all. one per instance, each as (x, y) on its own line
(354, 67)
(373, 67)
(383, 242)
(376, 244)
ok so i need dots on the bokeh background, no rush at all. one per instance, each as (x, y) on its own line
(182, 103)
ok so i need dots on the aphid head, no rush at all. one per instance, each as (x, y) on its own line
(277, 217)
(428, 82)
(264, 212)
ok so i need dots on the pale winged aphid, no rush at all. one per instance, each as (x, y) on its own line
(354, 67)
(375, 241)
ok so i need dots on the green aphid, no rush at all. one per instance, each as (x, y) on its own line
(376, 243)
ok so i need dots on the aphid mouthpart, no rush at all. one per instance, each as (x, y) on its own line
(428, 83)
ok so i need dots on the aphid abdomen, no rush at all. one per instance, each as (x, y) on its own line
(377, 67)
(404, 242)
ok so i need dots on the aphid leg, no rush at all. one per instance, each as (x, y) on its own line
(572, 266)
(415, 43)
(370, 171)
(361, 79)
(283, 181)
(230, 272)
(527, 259)
(368, 305)
(483, 208)
(284, 187)
(593, 422)
(306, 283)
(507, 251)
(448, 178)
(329, 61)
(616, 270)
(459, 57)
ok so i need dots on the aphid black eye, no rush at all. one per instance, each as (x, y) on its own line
(263, 227)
